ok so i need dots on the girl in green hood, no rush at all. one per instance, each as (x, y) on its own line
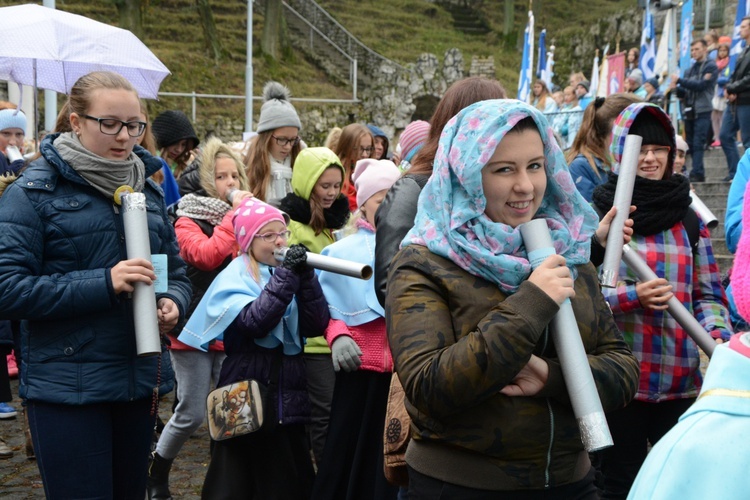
(316, 209)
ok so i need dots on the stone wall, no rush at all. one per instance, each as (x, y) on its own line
(482, 66)
(388, 101)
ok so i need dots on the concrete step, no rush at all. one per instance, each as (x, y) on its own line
(725, 262)
(719, 245)
(714, 201)
(711, 188)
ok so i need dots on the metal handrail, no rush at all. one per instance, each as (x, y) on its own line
(195, 95)
(320, 33)
(349, 36)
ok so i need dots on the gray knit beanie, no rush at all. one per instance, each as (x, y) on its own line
(277, 111)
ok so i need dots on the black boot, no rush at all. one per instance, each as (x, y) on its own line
(158, 477)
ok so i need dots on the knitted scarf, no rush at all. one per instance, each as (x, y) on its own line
(203, 208)
(659, 204)
(299, 210)
(102, 174)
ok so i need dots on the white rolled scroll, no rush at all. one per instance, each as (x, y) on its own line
(137, 244)
(623, 197)
(579, 380)
(674, 306)
(705, 213)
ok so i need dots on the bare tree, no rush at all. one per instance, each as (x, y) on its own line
(131, 16)
(509, 15)
(275, 41)
(210, 36)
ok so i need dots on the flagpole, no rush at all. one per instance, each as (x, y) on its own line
(673, 115)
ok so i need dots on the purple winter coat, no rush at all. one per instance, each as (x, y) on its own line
(245, 359)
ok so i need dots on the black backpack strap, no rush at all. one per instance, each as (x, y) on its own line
(693, 228)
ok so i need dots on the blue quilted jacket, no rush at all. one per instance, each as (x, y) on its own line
(60, 239)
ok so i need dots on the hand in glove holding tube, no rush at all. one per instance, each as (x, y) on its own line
(346, 354)
(296, 259)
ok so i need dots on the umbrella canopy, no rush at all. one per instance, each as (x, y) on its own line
(51, 49)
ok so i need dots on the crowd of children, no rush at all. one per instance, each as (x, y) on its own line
(454, 308)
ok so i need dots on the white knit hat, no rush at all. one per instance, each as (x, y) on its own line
(372, 176)
(277, 111)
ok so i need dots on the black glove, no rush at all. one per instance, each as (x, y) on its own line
(296, 259)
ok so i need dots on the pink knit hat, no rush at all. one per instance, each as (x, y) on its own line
(741, 269)
(252, 215)
(681, 144)
(371, 176)
(413, 138)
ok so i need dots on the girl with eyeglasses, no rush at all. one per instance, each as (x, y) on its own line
(91, 400)
(262, 310)
(272, 152)
(207, 244)
(588, 157)
(676, 244)
(355, 143)
(317, 207)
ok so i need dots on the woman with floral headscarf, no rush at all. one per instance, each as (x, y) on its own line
(468, 319)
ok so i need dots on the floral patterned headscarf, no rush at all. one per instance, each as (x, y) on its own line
(450, 218)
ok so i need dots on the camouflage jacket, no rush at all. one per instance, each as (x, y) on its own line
(457, 340)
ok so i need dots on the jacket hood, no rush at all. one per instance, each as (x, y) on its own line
(309, 166)
(190, 180)
(624, 122)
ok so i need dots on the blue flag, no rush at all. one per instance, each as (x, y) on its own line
(648, 45)
(527, 61)
(686, 35)
(738, 44)
(541, 63)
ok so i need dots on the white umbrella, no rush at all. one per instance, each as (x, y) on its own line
(51, 49)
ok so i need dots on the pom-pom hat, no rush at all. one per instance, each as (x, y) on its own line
(250, 218)
(371, 176)
(277, 111)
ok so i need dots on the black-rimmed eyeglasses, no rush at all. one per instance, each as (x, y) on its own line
(283, 141)
(112, 126)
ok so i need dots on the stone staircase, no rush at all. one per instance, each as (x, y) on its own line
(466, 19)
(714, 193)
(326, 41)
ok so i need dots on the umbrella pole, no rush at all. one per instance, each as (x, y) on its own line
(36, 111)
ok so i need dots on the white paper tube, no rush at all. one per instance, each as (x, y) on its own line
(13, 154)
(579, 380)
(623, 197)
(705, 213)
(332, 264)
(137, 244)
(675, 307)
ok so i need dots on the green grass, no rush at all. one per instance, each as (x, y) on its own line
(399, 29)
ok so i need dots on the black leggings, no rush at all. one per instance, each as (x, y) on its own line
(633, 429)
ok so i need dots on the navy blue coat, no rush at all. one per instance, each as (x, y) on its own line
(245, 359)
(60, 240)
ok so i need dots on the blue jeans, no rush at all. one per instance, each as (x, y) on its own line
(92, 451)
(697, 132)
(736, 118)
